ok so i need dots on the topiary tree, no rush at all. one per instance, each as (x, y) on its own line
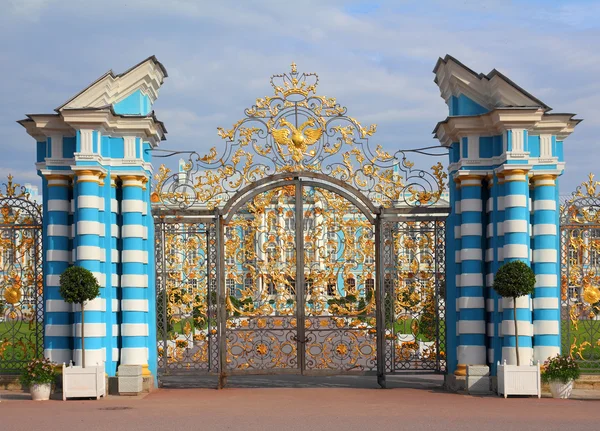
(514, 279)
(78, 285)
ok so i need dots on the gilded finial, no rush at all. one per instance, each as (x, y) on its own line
(13, 190)
(294, 67)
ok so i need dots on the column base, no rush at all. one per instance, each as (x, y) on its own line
(461, 370)
(478, 380)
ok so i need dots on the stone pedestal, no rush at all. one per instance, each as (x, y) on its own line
(130, 379)
(478, 380)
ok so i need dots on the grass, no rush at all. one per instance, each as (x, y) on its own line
(587, 331)
(15, 346)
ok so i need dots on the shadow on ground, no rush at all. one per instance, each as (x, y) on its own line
(426, 382)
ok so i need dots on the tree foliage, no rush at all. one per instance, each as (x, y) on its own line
(78, 285)
(514, 279)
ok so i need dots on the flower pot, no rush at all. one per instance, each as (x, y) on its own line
(40, 391)
(560, 389)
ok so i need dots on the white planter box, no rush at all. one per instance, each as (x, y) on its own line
(83, 382)
(519, 380)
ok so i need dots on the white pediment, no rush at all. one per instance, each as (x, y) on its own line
(491, 91)
(109, 89)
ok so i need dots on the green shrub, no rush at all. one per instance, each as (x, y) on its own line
(560, 368)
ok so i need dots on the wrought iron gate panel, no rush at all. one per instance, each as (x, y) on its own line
(260, 275)
(186, 296)
(339, 274)
(580, 275)
(414, 294)
(298, 174)
(21, 282)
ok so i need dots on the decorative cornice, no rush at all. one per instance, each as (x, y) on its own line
(496, 122)
(148, 128)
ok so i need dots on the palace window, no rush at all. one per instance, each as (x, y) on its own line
(289, 223)
(230, 286)
(248, 282)
(331, 287)
(332, 245)
(350, 285)
(271, 252)
(369, 286)
(271, 286)
(309, 224)
(289, 254)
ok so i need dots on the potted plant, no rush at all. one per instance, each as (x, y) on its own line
(78, 285)
(560, 372)
(38, 375)
(513, 280)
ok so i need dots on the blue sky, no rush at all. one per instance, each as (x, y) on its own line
(376, 58)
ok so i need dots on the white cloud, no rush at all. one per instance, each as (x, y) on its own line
(220, 56)
(29, 10)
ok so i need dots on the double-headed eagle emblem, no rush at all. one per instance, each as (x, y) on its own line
(299, 142)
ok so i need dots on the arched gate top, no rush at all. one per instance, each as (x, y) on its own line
(296, 130)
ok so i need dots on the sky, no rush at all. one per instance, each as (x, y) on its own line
(375, 57)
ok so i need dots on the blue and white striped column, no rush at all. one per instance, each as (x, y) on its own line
(453, 269)
(490, 255)
(495, 300)
(516, 247)
(134, 278)
(90, 254)
(114, 270)
(471, 326)
(546, 302)
(58, 330)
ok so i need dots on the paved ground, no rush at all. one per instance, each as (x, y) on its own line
(316, 406)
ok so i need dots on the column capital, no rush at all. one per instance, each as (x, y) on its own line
(88, 176)
(544, 180)
(470, 180)
(515, 175)
(133, 180)
(58, 180)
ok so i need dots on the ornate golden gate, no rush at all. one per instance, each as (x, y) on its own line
(580, 275)
(21, 279)
(271, 252)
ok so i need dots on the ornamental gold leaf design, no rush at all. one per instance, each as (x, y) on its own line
(297, 130)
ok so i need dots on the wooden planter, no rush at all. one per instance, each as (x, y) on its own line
(83, 382)
(519, 380)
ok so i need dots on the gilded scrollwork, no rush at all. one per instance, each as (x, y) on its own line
(21, 280)
(297, 130)
(580, 273)
(414, 295)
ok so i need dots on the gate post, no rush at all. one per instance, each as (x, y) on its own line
(101, 137)
(502, 135)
